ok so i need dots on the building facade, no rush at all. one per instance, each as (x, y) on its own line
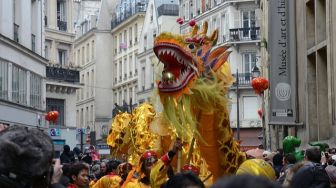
(127, 25)
(160, 17)
(62, 72)
(22, 66)
(315, 27)
(92, 51)
(238, 23)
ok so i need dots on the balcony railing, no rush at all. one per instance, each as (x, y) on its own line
(62, 25)
(62, 74)
(126, 14)
(168, 10)
(244, 79)
(243, 34)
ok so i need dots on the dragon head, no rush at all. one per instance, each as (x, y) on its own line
(187, 57)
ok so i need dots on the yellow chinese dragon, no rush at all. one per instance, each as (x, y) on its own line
(193, 92)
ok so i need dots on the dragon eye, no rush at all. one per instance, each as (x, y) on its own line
(191, 46)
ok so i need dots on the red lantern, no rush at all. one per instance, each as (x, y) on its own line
(260, 112)
(259, 84)
(180, 21)
(192, 22)
(52, 116)
(55, 116)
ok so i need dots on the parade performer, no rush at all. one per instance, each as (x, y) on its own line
(193, 91)
(152, 172)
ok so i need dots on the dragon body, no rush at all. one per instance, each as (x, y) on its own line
(193, 90)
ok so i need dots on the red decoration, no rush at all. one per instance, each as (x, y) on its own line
(192, 22)
(52, 116)
(190, 168)
(259, 84)
(260, 112)
(180, 21)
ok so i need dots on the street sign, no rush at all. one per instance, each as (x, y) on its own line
(55, 132)
(81, 130)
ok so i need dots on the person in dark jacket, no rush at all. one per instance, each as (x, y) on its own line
(277, 164)
(27, 159)
(311, 174)
(67, 155)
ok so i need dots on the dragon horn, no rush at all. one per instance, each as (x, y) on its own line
(214, 37)
(195, 30)
(204, 29)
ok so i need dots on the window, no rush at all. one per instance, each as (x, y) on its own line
(61, 57)
(92, 49)
(33, 38)
(120, 98)
(77, 118)
(120, 70)
(3, 80)
(87, 115)
(115, 72)
(83, 53)
(81, 117)
(78, 57)
(82, 90)
(92, 82)
(87, 84)
(145, 42)
(125, 68)
(249, 61)
(130, 90)
(153, 75)
(120, 42)
(225, 27)
(19, 85)
(35, 91)
(125, 95)
(92, 115)
(130, 65)
(250, 107)
(46, 52)
(136, 33)
(151, 13)
(143, 74)
(58, 105)
(198, 8)
(115, 97)
(249, 21)
(125, 40)
(61, 16)
(16, 32)
(130, 36)
(88, 53)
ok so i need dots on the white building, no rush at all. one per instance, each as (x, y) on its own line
(238, 24)
(92, 52)
(22, 66)
(62, 72)
(160, 17)
(127, 24)
(85, 15)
